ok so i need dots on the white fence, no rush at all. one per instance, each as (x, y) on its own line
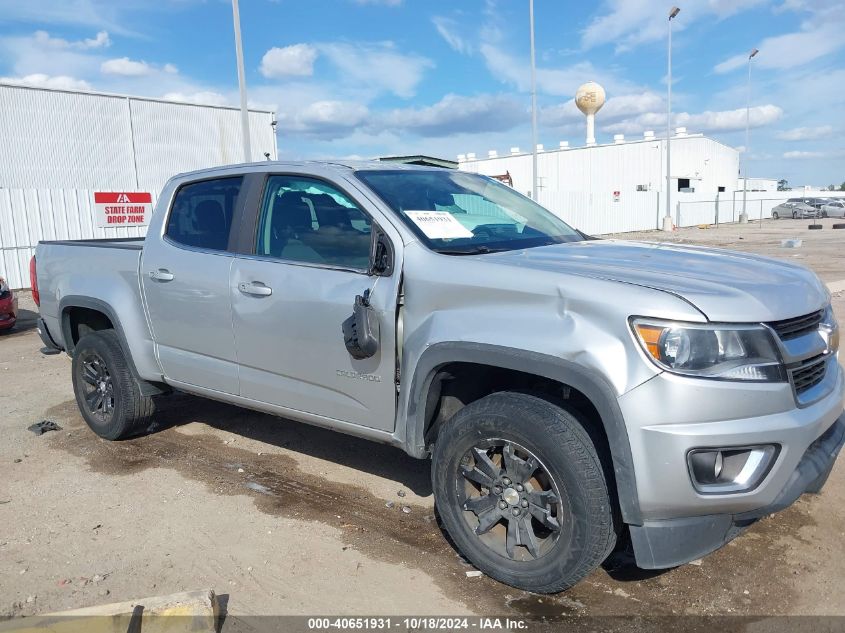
(603, 213)
(30, 215)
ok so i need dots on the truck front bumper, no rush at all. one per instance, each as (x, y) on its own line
(662, 543)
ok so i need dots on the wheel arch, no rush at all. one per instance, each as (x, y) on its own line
(565, 373)
(71, 306)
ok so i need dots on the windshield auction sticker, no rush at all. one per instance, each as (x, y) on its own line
(439, 225)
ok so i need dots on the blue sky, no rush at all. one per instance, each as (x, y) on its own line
(364, 78)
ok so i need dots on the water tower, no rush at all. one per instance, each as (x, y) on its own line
(590, 98)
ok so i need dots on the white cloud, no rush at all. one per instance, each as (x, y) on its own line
(707, 121)
(204, 97)
(61, 82)
(126, 67)
(170, 68)
(449, 31)
(802, 154)
(629, 23)
(44, 39)
(295, 60)
(805, 133)
(551, 81)
(820, 35)
(377, 66)
(324, 119)
(455, 114)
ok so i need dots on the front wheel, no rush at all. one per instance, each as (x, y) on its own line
(775, 215)
(107, 393)
(521, 490)
(794, 215)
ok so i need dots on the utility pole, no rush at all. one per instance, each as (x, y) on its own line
(239, 52)
(667, 220)
(534, 188)
(743, 217)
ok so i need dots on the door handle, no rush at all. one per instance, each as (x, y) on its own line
(256, 289)
(162, 274)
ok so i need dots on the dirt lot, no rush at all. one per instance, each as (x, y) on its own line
(283, 518)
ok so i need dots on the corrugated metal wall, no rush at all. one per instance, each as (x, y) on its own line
(620, 167)
(76, 140)
(30, 215)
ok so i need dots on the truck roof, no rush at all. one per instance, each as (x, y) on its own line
(333, 165)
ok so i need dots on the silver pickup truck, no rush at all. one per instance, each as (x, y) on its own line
(573, 393)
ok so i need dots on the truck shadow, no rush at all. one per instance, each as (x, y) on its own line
(364, 455)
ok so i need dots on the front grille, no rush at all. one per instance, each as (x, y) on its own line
(809, 374)
(795, 327)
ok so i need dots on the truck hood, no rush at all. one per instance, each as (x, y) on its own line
(724, 285)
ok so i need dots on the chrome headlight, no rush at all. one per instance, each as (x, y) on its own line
(726, 352)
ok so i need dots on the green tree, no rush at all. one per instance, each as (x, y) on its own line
(842, 187)
(831, 187)
(783, 185)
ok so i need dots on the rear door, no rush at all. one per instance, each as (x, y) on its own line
(310, 255)
(185, 276)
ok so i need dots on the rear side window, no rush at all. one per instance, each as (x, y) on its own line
(201, 215)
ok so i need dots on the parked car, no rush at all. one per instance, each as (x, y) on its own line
(567, 389)
(795, 209)
(8, 306)
(834, 209)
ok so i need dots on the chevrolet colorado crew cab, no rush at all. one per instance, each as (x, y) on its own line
(570, 391)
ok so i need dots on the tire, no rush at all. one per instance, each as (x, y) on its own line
(775, 215)
(824, 214)
(794, 215)
(568, 467)
(101, 376)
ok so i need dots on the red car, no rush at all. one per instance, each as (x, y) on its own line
(8, 306)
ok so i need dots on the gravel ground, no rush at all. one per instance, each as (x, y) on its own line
(283, 518)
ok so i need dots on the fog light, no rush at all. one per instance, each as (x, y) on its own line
(726, 470)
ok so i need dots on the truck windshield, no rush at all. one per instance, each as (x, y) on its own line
(457, 213)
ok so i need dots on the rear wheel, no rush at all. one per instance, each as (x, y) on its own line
(521, 490)
(107, 393)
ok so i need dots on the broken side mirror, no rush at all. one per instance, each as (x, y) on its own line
(382, 255)
(361, 330)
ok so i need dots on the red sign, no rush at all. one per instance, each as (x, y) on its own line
(616, 195)
(123, 208)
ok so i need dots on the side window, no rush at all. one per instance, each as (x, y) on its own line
(201, 214)
(307, 220)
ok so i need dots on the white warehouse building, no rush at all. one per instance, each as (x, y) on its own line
(59, 147)
(88, 140)
(699, 165)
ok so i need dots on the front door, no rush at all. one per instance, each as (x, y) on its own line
(291, 297)
(185, 276)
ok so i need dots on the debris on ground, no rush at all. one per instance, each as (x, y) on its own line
(696, 562)
(401, 493)
(40, 428)
(793, 243)
(5, 501)
(31, 599)
(474, 574)
(389, 504)
(240, 470)
(18, 460)
(406, 509)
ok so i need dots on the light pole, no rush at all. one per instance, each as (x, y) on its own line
(239, 52)
(667, 220)
(743, 217)
(534, 191)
